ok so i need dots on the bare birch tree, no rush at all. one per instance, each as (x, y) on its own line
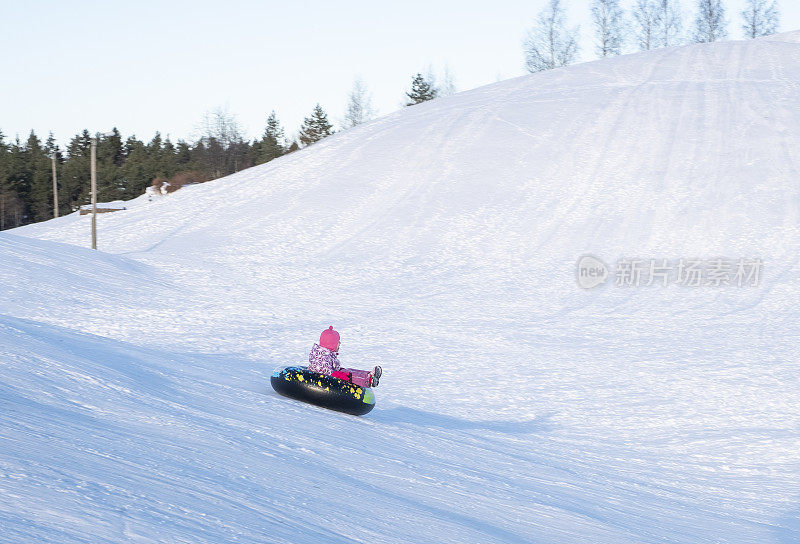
(670, 24)
(645, 24)
(549, 44)
(359, 105)
(448, 85)
(761, 18)
(710, 24)
(608, 26)
(222, 137)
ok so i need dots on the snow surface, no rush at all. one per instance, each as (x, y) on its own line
(442, 242)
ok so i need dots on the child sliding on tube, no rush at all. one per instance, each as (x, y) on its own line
(323, 359)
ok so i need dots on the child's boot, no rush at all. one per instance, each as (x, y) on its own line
(376, 376)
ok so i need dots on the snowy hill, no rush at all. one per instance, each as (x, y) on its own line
(442, 241)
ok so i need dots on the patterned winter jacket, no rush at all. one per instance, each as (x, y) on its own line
(322, 360)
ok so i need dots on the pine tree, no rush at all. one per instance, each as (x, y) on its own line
(422, 90)
(607, 18)
(198, 153)
(272, 144)
(136, 172)
(710, 24)
(75, 177)
(154, 147)
(38, 180)
(113, 147)
(110, 158)
(50, 145)
(239, 156)
(549, 44)
(5, 166)
(155, 157)
(4, 158)
(20, 181)
(761, 18)
(11, 206)
(316, 127)
(168, 162)
(183, 155)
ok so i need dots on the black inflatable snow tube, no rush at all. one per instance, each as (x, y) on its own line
(299, 383)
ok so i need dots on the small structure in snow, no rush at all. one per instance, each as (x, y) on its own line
(104, 207)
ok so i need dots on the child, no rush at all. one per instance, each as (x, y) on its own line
(323, 359)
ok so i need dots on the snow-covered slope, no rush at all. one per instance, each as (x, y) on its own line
(442, 242)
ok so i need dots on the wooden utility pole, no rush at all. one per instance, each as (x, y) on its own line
(55, 188)
(94, 192)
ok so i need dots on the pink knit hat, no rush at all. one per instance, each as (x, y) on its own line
(329, 339)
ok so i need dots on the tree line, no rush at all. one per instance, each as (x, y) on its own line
(126, 166)
(649, 24)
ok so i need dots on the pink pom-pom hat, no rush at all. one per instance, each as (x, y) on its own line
(329, 339)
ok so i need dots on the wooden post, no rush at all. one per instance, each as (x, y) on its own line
(94, 192)
(55, 188)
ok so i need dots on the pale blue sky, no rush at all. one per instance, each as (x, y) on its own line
(147, 65)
